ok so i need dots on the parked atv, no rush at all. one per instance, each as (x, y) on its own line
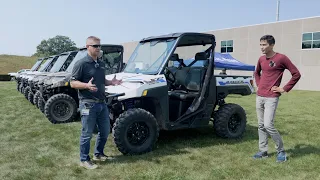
(60, 101)
(34, 68)
(156, 96)
(45, 67)
(61, 64)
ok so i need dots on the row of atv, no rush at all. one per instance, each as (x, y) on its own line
(47, 84)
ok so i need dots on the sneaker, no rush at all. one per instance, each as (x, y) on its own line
(88, 165)
(101, 157)
(281, 157)
(260, 155)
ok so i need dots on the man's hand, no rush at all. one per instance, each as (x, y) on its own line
(114, 81)
(91, 86)
(277, 89)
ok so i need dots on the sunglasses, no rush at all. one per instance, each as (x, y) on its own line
(95, 46)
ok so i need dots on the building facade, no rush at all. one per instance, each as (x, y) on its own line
(298, 39)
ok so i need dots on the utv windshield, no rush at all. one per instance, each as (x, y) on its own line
(148, 57)
(80, 55)
(57, 65)
(44, 65)
(34, 67)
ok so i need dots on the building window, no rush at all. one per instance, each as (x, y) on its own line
(311, 40)
(227, 46)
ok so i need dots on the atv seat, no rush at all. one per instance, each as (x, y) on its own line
(175, 58)
(188, 82)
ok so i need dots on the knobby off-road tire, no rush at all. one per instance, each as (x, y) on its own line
(230, 121)
(60, 108)
(36, 97)
(41, 103)
(30, 97)
(26, 92)
(21, 89)
(135, 132)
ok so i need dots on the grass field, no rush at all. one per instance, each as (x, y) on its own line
(33, 148)
(11, 63)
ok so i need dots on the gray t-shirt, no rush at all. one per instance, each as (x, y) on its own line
(83, 71)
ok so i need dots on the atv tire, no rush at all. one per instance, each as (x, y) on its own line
(30, 97)
(60, 108)
(21, 89)
(41, 103)
(135, 132)
(36, 97)
(26, 92)
(230, 121)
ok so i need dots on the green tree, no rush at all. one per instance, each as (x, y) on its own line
(55, 45)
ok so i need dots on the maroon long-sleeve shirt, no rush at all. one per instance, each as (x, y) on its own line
(272, 72)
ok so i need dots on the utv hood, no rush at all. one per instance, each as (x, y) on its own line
(58, 79)
(60, 74)
(133, 85)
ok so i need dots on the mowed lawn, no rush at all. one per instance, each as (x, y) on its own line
(33, 148)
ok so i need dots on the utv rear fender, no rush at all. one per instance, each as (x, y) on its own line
(224, 91)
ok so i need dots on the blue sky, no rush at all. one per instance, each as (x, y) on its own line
(25, 23)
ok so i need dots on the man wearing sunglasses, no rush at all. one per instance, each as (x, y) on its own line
(88, 77)
(272, 65)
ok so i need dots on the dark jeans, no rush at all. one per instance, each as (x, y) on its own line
(93, 114)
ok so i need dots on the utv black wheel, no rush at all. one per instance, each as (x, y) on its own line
(26, 92)
(35, 98)
(41, 104)
(135, 132)
(21, 88)
(230, 121)
(60, 108)
(30, 97)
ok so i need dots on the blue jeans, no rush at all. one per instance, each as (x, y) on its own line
(93, 114)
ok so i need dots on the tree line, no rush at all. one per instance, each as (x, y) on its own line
(54, 46)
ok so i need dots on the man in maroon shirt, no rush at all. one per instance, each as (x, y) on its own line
(268, 82)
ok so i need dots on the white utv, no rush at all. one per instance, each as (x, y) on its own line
(157, 96)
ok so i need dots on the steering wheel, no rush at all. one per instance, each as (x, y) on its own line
(167, 73)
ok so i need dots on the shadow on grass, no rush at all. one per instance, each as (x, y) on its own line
(300, 150)
(177, 142)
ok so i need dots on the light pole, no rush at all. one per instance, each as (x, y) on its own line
(278, 6)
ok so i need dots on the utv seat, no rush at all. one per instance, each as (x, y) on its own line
(174, 58)
(188, 81)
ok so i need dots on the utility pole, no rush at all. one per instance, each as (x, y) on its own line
(278, 6)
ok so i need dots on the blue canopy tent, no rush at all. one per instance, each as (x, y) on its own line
(222, 61)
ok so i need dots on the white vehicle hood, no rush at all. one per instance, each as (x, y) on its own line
(133, 84)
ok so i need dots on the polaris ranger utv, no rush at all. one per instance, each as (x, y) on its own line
(156, 96)
(28, 79)
(60, 101)
(60, 65)
(34, 68)
(47, 64)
